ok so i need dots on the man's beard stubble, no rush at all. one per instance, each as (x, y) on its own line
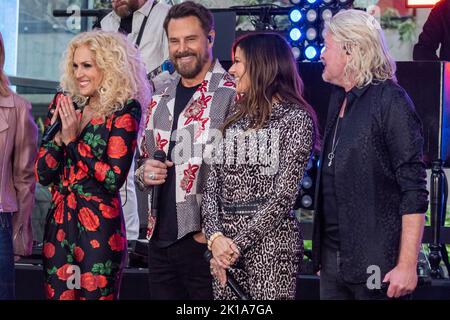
(126, 8)
(187, 71)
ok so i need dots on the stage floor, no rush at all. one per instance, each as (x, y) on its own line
(29, 280)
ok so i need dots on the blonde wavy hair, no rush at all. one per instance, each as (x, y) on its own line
(361, 36)
(124, 74)
(4, 81)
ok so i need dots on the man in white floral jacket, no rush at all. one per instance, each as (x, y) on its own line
(184, 120)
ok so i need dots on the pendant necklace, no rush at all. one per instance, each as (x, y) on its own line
(334, 144)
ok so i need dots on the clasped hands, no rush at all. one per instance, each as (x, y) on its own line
(70, 121)
(225, 254)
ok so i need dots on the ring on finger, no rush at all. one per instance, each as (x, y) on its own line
(151, 176)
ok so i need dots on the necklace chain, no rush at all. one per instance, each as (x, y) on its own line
(331, 154)
(334, 145)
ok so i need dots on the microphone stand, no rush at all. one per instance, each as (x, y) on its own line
(437, 215)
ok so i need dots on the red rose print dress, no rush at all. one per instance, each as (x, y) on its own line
(85, 232)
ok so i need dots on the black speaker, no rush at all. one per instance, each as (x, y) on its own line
(428, 85)
(225, 26)
(307, 186)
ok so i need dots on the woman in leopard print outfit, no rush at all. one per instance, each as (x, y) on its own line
(251, 190)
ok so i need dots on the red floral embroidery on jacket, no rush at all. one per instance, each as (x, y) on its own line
(150, 108)
(229, 81)
(203, 86)
(196, 109)
(195, 113)
(189, 176)
(151, 221)
(160, 143)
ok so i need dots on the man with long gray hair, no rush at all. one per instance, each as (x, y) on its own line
(372, 190)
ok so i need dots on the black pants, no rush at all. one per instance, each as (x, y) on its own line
(7, 276)
(332, 285)
(179, 272)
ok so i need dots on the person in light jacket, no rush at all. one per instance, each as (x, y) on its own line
(18, 142)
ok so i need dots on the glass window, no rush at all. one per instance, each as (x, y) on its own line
(34, 43)
(42, 38)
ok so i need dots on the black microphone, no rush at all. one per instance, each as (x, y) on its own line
(422, 281)
(231, 281)
(159, 155)
(53, 129)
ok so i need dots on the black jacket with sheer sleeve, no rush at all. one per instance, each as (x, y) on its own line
(379, 177)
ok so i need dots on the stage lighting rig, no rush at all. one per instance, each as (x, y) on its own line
(307, 19)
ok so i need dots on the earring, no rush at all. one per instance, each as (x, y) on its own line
(102, 90)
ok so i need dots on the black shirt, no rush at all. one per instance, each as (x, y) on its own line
(126, 24)
(166, 231)
(329, 206)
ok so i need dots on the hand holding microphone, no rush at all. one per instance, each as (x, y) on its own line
(155, 170)
(224, 251)
(65, 123)
(226, 277)
(70, 120)
(155, 174)
(53, 132)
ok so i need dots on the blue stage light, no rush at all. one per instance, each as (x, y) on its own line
(311, 15)
(327, 14)
(308, 19)
(295, 15)
(295, 34)
(311, 53)
(311, 34)
(296, 52)
(307, 201)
